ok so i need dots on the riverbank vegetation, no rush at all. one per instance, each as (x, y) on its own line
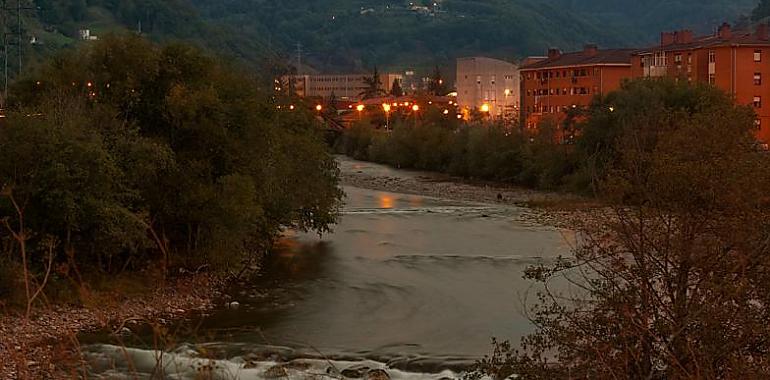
(671, 282)
(128, 157)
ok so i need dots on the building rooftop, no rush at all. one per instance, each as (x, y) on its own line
(590, 56)
(725, 36)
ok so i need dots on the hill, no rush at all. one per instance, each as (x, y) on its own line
(343, 35)
(353, 34)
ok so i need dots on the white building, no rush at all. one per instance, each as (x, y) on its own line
(343, 86)
(488, 82)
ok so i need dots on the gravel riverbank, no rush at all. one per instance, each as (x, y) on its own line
(45, 347)
(547, 208)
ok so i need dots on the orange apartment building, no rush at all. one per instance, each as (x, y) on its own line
(736, 62)
(552, 85)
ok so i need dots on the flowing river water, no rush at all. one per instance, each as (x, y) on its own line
(411, 284)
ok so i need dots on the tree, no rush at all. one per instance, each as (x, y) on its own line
(437, 84)
(130, 155)
(670, 282)
(395, 89)
(373, 86)
(761, 11)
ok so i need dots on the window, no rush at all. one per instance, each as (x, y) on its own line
(689, 58)
(660, 59)
(678, 58)
(712, 56)
(757, 79)
(758, 123)
(757, 55)
(712, 79)
(558, 74)
(757, 102)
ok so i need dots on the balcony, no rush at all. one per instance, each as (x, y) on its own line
(655, 71)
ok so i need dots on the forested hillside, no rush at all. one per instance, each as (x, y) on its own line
(356, 34)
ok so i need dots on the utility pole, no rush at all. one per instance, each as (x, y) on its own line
(299, 58)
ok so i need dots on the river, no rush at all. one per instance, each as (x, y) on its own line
(413, 284)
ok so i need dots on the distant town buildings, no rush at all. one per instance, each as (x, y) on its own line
(347, 87)
(734, 61)
(85, 35)
(489, 85)
(561, 81)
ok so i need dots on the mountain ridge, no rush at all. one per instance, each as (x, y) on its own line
(355, 35)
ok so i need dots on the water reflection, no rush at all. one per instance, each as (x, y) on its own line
(386, 201)
(402, 276)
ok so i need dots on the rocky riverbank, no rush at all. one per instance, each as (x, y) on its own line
(46, 346)
(547, 208)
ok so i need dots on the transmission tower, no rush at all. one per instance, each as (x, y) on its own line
(12, 30)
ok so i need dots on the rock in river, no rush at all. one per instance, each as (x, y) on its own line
(377, 374)
(275, 372)
(355, 372)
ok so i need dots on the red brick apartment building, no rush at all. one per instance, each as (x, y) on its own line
(736, 62)
(554, 84)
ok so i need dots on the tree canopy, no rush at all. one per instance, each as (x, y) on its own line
(127, 153)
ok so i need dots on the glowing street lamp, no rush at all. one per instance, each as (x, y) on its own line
(319, 108)
(386, 108)
(360, 109)
(485, 108)
(416, 109)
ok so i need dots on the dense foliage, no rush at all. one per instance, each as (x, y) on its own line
(670, 282)
(124, 153)
(358, 34)
(480, 149)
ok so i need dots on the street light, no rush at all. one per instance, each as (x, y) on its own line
(319, 108)
(360, 109)
(485, 108)
(416, 109)
(386, 108)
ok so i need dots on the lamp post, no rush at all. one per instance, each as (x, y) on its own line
(386, 108)
(485, 110)
(415, 109)
(360, 109)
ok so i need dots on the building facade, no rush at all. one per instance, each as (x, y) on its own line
(736, 62)
(488, 84)
(346, 87)
(559, 82)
